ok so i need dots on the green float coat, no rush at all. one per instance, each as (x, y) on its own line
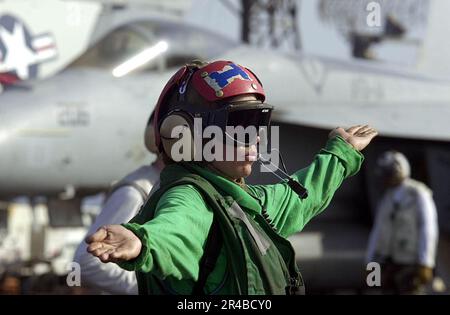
(174, 224)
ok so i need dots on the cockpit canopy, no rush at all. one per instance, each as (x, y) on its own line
(152, 46)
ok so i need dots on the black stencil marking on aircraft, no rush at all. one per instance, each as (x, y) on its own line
(73, 115)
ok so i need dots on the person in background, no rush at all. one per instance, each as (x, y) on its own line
(122, 203)
(405, 235)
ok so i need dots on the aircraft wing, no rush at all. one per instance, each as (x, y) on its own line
(325, 93)
(425, 121)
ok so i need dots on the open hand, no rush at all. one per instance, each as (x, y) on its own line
(358, 136)
(113, 243)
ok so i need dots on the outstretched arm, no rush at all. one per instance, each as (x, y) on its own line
(338, 160)
(120, 207)
(169, 245)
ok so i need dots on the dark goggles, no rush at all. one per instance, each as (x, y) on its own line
(256, 115)
(241, 122)
(248, 117)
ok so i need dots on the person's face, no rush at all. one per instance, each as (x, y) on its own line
(236, 168)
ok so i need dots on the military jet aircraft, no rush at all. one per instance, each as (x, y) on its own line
(77, 128)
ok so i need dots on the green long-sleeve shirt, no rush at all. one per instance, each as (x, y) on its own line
(174, 239)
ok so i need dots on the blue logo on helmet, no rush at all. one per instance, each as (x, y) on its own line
(218, 80)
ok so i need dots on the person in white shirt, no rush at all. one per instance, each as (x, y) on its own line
(405, 235)
(122, 203)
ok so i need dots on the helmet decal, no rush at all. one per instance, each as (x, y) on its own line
(222, 79)
(218, 80)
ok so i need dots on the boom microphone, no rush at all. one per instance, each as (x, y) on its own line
(298, 188)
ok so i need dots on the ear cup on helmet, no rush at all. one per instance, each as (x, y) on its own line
(183, 138)
(150, 140)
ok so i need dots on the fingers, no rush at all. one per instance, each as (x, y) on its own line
(106, 256)
(363, 129)
(98, 250)
(371, 133)
(114, 255)
(94, 246)
(98, 236)
(101, 251)
(367, 130)
(353, 129)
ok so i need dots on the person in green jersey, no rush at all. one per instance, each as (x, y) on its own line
(204, 230)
